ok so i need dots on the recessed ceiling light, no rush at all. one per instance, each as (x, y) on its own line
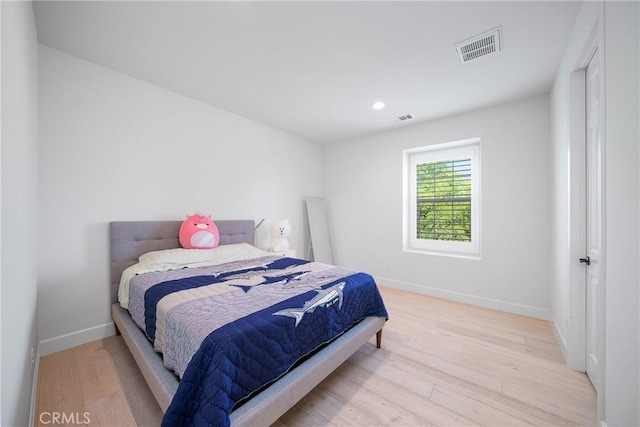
(378, 105)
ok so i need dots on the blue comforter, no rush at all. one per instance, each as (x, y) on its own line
(258, 319)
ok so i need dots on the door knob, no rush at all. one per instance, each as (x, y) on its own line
(586, 260)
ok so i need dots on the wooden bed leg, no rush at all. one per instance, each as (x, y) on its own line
(379, 338)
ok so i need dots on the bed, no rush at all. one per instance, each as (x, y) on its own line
(129, 240)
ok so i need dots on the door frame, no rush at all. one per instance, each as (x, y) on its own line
(592, 43)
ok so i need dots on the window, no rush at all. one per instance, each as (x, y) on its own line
(442, 198)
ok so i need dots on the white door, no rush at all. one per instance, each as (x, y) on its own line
(594, 291)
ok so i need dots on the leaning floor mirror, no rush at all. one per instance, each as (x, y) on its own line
(319, 244)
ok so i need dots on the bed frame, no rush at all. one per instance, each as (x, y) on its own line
(131, 239)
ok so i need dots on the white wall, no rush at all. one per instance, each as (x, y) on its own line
(619, 29)
(363, 189)
(116, 148)
(19, 208)
(622, 284)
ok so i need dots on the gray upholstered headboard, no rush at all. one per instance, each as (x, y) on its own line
(130, 239)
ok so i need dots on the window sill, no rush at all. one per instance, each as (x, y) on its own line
(475, 257)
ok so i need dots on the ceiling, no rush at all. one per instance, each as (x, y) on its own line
(313, 69)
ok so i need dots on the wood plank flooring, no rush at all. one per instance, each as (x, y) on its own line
(441, 363)
(81, 385)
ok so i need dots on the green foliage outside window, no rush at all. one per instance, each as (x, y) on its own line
(444, 200)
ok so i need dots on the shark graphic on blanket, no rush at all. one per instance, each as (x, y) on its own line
(229, 330)
(324, 299)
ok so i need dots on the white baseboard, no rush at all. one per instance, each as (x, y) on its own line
(34, 389)
(509, 307)
(562, 343)
(73, 339)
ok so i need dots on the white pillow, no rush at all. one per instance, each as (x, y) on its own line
(195, 256)
(176, 256)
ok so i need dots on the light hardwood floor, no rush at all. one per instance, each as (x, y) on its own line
(441, 363)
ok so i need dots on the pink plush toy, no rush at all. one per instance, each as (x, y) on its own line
(199, 232)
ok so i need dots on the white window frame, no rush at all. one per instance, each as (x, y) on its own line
(468, 148)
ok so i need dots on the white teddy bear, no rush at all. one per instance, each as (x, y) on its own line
(280, 229)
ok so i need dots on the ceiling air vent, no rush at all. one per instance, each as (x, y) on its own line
(403, 118)
(482, 45)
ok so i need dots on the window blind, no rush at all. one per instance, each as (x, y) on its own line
(444, 200)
